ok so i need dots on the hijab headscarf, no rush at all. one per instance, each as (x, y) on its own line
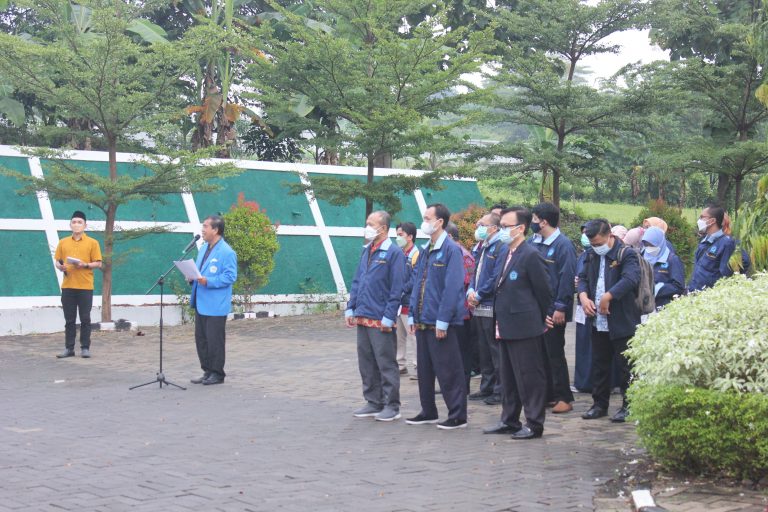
(655, 237)
(633, 237)
(619, 232)
(655, 222)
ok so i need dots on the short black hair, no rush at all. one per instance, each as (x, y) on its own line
(78, 214)
(217, 223)
(498, 206)
(523, 215)
(441, 212)
(409, 228)
(597, 227)
(548, 212)
(717, 212)
(452, 230)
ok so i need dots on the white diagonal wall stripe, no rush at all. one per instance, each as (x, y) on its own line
(46, 211)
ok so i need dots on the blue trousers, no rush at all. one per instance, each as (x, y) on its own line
(441, 359)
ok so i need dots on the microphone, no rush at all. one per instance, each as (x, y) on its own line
(191, 244)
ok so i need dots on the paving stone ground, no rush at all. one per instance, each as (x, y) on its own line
(278, 435)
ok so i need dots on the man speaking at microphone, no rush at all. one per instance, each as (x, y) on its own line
(212, 299)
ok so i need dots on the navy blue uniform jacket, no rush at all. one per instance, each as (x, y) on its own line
(523, 295)
(622, 281)
(711, 261)
(443, 300)
(560, 258)
(484, 283)
(378, 284)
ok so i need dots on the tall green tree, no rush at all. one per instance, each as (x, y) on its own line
(112, 79)
(385, 81)
(710, 43)
(542, 44)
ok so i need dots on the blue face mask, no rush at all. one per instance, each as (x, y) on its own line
(601, 250)
(481, 233)
(584, 241)
(504, 236)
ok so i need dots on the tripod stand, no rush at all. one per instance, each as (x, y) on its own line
(160, 378)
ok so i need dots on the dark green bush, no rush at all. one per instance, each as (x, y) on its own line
(697, 430)
(679, 231)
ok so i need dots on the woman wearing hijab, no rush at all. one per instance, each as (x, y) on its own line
(668, 270)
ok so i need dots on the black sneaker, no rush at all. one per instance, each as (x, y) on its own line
(451, 424)
(68, 352)
(420, 419)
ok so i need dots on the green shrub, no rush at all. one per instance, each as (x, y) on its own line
(698, 430)
(679, 231)
(700, 380)
(714, 339)
(253, 237)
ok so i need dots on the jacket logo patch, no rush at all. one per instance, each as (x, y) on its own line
(213, 269)
(665, 265)
(439, 255)
(713, 250)
(513, 275)
(614, 264)
(550, 252)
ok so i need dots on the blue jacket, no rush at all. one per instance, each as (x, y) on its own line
(560, 258)
(711, 261)
(220, 269)
(492, 255)
(377, 288)
(442, 302)
(408, 283)
(669, 276)
(622, 280)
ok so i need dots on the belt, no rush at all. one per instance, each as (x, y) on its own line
(484, 311)
(424, 327)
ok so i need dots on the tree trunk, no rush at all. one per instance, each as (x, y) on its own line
(737, 193)
(109, 239)
(723, 186)
(369, 182)
(556, 169)
(683, 191)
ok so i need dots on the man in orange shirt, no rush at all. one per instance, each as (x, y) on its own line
(76, 256)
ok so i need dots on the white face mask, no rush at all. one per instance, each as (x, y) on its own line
(702, 225)
(370, 232)
(652, 251)
(401, 242)
(601, 250)
(428, 228)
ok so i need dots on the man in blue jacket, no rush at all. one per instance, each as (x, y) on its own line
(560, 258)
(212, 299)
(714, 250)
(374, 300)
(607, 286)
(490, 255)
(436, 311)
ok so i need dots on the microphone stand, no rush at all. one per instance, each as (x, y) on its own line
(160, 376)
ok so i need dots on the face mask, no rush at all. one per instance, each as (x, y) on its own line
(481, 233)
(702, 225)
(370, 232)
(601, 250)
(584, 240)
(401, 242)
(535, 227)
(652, 251)
(428, 228)
(506, 236)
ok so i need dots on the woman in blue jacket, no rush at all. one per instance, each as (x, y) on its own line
(668, 270)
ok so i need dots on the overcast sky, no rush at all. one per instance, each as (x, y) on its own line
(635, 47)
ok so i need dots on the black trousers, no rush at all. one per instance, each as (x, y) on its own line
(488, 349)
(523, 382)
(466, 340)
(558, 381)
(441, 359)
(210, 338)
(606, 352)
(72, 302)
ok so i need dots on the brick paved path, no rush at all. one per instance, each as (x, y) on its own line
(278, 435)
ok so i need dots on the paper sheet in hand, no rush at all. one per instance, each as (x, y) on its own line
(189, 269)
(73, 261)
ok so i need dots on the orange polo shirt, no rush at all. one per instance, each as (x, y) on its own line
(86, 250)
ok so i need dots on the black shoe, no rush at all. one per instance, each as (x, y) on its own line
(594, 412)
(213, 378)
(501, 428)
(68, 352)
(621, 415)
(492, 400)
(420, 419)
(478, 396)
(527, 433)
(199, 380)
(452, 423)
